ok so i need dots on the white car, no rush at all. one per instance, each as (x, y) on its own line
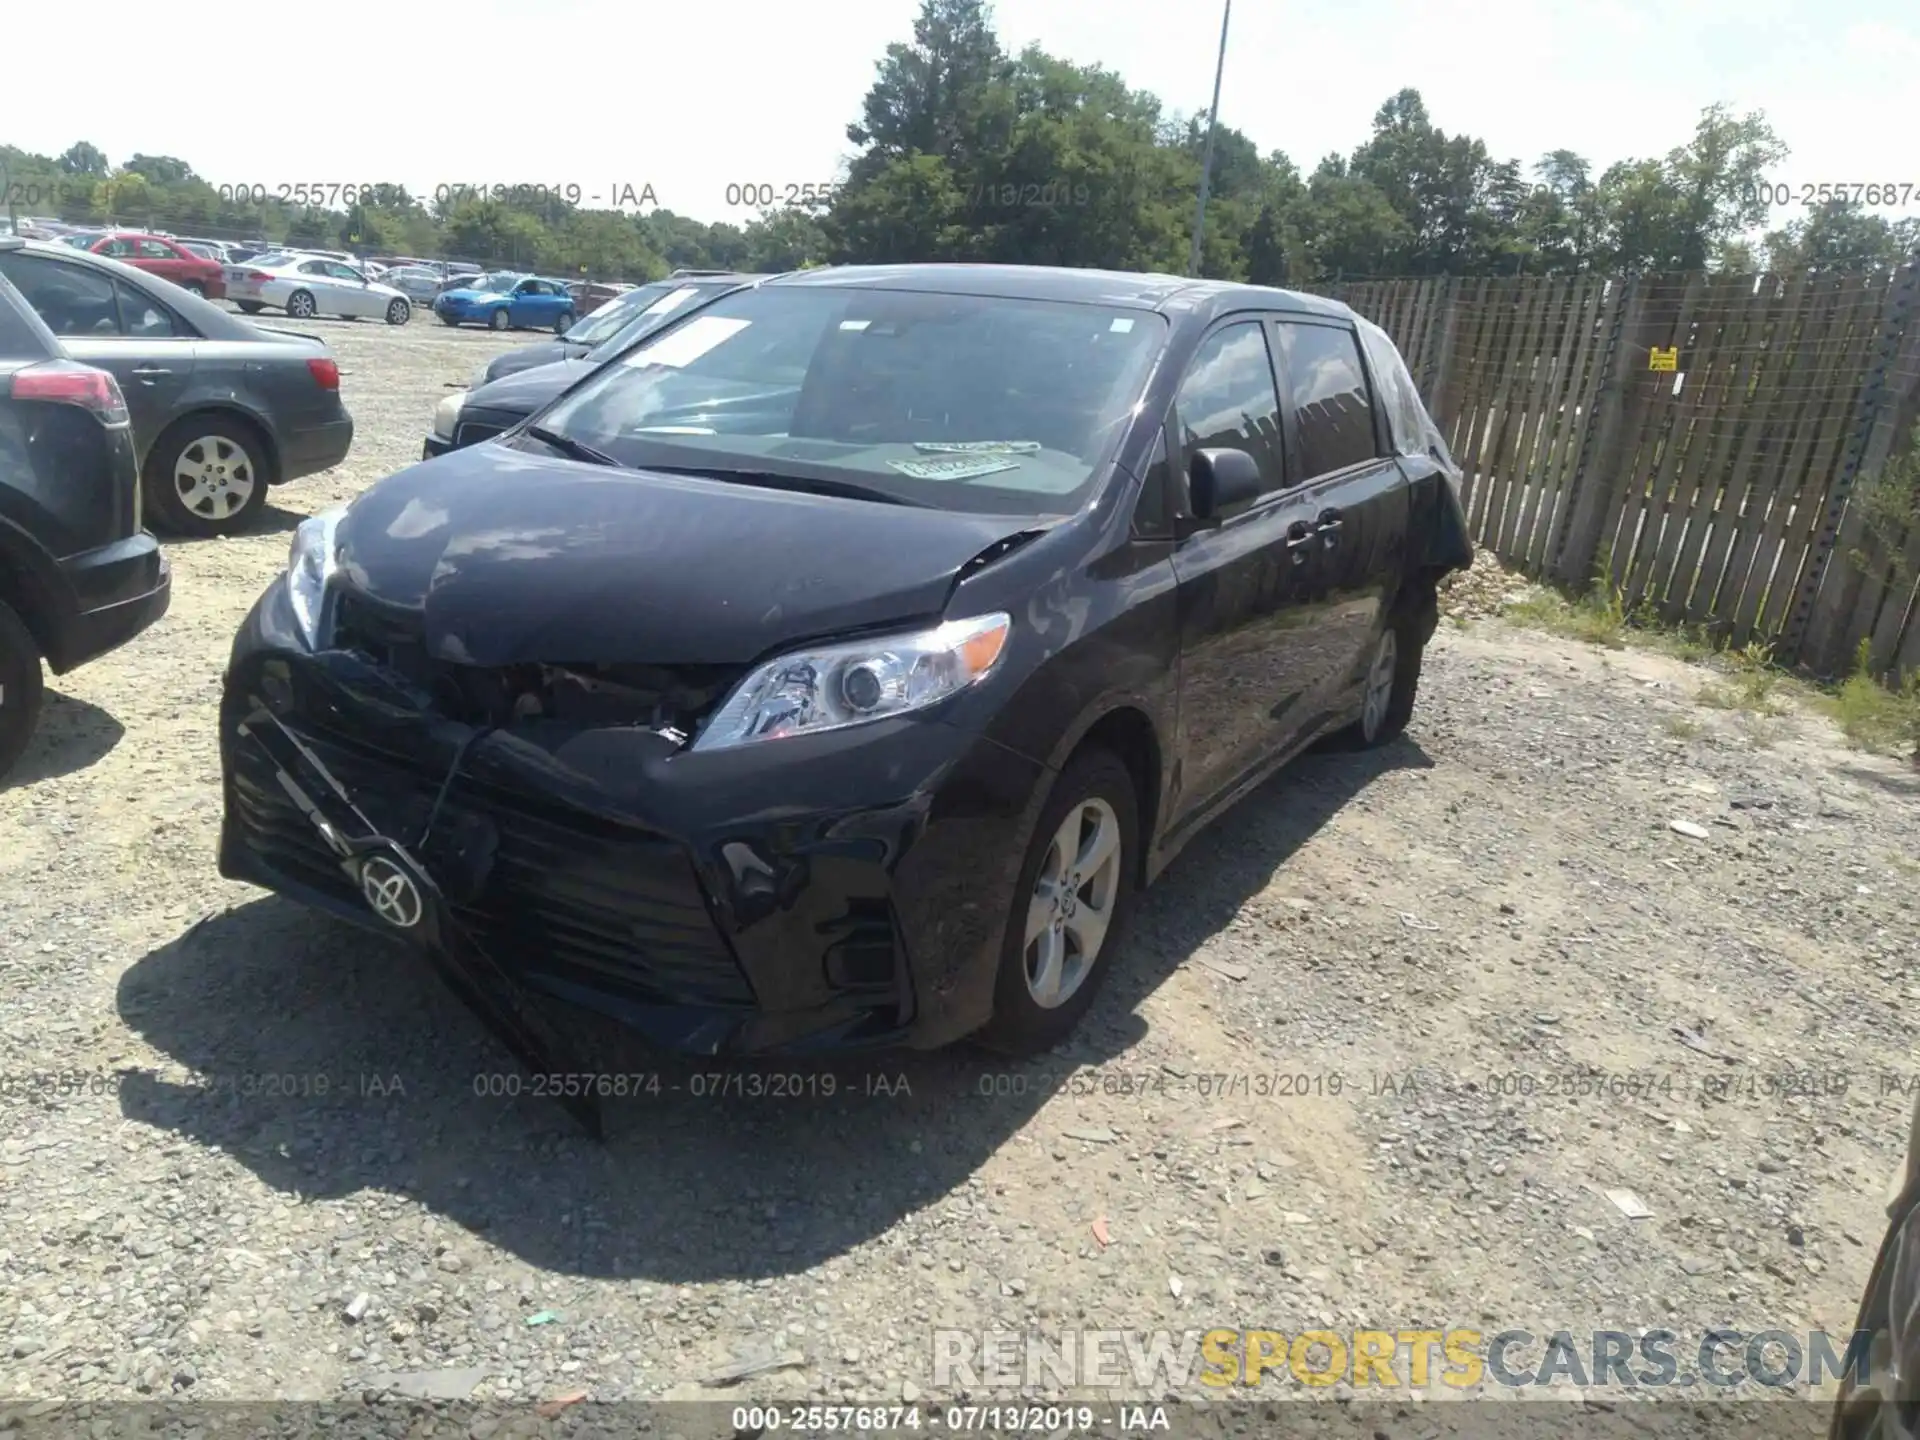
(305, 285)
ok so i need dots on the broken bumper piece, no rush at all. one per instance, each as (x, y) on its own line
(846, 891)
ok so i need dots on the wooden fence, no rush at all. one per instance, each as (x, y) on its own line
(1714, 492)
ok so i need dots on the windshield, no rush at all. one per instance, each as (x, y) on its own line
(961, 401)
(638, 323)
(611, 318)
(500, 281)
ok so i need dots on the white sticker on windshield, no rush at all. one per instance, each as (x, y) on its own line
(952, 469)
(688, 343)
(977, 447)
(1120, 327)
(671, 302)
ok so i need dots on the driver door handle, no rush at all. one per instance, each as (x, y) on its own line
(1300, 535)
(1328, 527)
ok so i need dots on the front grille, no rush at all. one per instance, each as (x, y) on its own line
(475, 432)
(604, 905)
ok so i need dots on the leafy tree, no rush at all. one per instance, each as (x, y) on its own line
(1839, 235)
(84, 159)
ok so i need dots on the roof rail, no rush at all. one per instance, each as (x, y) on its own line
(689, 274)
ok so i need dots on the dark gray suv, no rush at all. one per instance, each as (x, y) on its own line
(78, 576)
(221, 407)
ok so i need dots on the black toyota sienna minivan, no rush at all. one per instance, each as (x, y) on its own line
(833, 668)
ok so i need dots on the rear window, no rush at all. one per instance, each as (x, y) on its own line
(1414, 432)
(18, 338)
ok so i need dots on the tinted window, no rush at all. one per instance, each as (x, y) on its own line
(961, 401)
(73, 299)
(1228, 401)
(16, 336)
(1328, 388)
(140, 315)
(1413, 431)
(116, 248)
(155, 250)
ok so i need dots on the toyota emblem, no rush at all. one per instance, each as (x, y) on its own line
(392, 893)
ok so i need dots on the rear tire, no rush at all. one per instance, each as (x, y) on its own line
(206, 475)
(22, 688)
(564, 323)
(194, 287)
(1393, 673)
(300, 305)
(1094, 795)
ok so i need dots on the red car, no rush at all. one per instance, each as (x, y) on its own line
(165, 259)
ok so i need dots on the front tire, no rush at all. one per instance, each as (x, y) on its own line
(450, 322)
(500, 320)
(206, 476)
(1070, 907)
(399, 312)
(300, 305)
(21, 688)
(250, 307)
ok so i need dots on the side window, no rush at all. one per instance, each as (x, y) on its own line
(141, 316)
(155, 250)
(119, 249)
(1152, 514)
(343, 272)
(73, 300)
(1227, 400)
(1328, 388)
(17, 336)
(313, 267)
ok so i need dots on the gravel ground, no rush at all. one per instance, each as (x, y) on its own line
(1336, 1079)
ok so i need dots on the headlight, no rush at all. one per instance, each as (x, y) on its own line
(831, 687)
(447, 414)
(310, 564)
(479, 376)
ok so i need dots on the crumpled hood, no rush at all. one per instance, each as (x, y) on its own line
(525, 391)
(514, 558)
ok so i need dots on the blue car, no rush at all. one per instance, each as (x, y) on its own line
(503, 300)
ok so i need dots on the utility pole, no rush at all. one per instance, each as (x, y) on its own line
(1206, 154)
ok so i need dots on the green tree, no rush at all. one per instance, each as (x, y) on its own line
(1839, 235)
(84, 159)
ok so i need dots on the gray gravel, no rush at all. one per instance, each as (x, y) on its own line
(1401, 967)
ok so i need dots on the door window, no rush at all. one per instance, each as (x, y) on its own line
(116, 247)
(156, 250)
(74, 300)
(1228, 401)
(140, 316)
(1328, 389)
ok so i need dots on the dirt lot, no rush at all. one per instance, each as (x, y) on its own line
(1345, 1074)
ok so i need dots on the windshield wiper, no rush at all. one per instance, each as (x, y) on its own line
(570, 447)
(800, 484)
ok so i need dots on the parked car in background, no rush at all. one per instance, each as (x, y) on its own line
(306, 285)
(615, 324)
(221, 408)
(506, 301)
(416, 282)
(590, 295)
(166, 258)
(78, 574)
(873, 635)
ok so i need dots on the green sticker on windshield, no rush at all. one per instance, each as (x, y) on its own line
(978, 447)
(952, 469)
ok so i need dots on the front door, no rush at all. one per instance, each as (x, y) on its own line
(1246, 621)
(1349, 478)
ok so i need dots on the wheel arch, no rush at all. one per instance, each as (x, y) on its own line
(1127, 731)
(32, 587)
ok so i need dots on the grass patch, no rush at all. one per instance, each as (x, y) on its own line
(1598, 617)
(1753, 685)
(1681, 727)
(1874, 716)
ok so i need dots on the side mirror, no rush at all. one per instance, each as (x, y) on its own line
(1221, 483)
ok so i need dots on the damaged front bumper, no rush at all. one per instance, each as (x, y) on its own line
(844, 890)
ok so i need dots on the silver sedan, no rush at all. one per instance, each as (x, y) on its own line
(309, 285)
(419, 283)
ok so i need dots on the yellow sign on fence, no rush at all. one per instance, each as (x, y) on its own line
(1667, 359)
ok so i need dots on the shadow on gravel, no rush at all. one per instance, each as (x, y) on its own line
(272, 520)
(1892, 783)
(330, 1060)
(72, 735)
(1238, 856)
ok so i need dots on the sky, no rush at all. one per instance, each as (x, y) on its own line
(755, 93)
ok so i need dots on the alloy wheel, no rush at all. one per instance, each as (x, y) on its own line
(213, 477)
(1072, 904)
(301, 305)
(1386, 659)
